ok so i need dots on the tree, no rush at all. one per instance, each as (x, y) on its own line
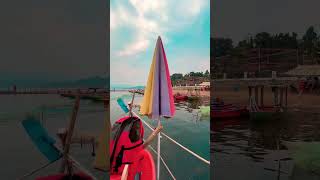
(263, 40)
(221, 46)
(176, 77)
(207, 74)
(310, 39)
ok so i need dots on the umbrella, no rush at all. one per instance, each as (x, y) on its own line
(158, 99)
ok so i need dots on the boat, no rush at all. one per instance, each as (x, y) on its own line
(219, 110)
(138, 91)
(127, 145)
(143, 168)
(180, 97)
(157, 103)
(147, 164)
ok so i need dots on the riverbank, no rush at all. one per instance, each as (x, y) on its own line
(306, 102)
(204, 96)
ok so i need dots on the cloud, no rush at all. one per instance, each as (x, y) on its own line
(127, 73)
(139, 46)
(149, 18)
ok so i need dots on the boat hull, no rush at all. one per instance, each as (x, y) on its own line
(181, 98)
(143, 167)
(229, 114)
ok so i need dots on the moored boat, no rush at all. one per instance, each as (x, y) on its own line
(219, 110)
(180, 97)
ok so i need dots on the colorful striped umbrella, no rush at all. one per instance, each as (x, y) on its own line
(158, 99)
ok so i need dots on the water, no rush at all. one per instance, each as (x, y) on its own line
(185, 128)
(243, 149)
(19, 155)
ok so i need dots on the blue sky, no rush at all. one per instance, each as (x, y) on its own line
(184, 26)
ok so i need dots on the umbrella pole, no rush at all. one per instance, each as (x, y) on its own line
(158, 152)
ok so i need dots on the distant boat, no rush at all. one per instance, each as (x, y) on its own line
(219, 110)
(179, 97)
(138, 91)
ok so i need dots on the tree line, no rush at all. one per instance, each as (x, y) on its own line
(176, 77)
(309, 43)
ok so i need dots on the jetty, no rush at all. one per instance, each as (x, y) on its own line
(58, 91)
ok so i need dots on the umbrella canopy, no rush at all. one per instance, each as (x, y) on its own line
(305, 70)
(158, 97)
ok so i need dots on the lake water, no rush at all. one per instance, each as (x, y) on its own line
(185, 128)
(19, 155)
(243, 149)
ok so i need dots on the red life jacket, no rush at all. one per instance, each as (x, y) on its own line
(126, 142)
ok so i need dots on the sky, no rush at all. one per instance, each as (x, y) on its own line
(236, 19)
(184, 26)
(53, 40)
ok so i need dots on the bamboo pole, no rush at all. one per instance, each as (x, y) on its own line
(67, 143)
(152, 136)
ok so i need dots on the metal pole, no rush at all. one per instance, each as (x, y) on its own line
(158, 152)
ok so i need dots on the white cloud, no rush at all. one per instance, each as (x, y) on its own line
(139, 46)
(150, 18)
(126, 73)
(193, 7)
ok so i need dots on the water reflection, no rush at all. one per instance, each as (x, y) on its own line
(264, 143)
(193, 107)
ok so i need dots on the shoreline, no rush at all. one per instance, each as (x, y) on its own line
(307, 102)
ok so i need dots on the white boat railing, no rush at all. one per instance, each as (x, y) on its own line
(174, 142)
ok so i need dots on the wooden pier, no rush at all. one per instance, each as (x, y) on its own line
(58, 91)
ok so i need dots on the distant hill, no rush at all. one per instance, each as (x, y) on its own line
(95, 82)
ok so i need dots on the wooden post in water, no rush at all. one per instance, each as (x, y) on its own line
(250, 92)
(261, 96)
(67, 143)
(286, 97)
(281, 97)
(256, 92)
